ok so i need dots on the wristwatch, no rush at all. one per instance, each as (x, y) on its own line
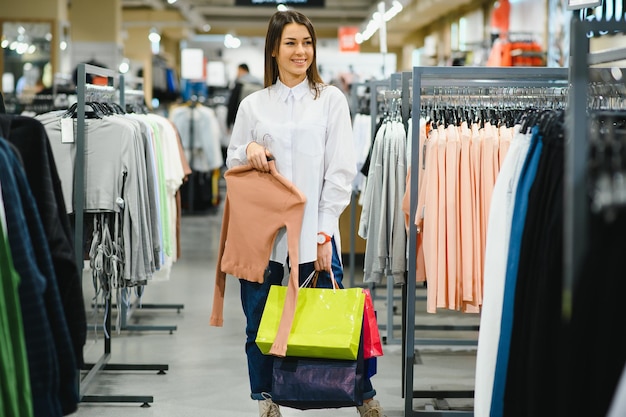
(322, 238)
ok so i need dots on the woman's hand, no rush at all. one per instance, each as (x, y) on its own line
(257, 156)
(324, 257)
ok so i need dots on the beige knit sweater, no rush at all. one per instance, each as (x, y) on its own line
(257, 205)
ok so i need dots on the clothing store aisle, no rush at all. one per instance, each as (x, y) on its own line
(207, 374)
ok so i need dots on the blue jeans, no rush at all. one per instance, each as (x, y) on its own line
(253, 298)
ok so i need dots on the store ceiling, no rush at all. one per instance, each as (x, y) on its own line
(224, 17)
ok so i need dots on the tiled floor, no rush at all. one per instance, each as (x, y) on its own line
(207, 373)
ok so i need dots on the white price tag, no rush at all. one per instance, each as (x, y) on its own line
(67, 130)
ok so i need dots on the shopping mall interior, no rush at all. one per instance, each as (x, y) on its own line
(484, 216)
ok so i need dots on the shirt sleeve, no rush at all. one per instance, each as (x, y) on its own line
(339, 163)
(241, 136)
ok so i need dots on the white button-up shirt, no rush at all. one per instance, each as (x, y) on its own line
(311, 141)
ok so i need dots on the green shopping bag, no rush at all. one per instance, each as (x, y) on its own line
(327, 322)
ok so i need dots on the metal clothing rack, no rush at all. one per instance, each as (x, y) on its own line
(575, 230)
(463, 77)
(102, 364)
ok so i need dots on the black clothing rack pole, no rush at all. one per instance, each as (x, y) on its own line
(191, 195)
(575, 204)
(462, 77)
(354, 109)
(79, 208)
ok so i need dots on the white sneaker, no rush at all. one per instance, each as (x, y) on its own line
(371, 409)
(268, 408)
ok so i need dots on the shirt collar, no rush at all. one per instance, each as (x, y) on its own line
(298, 91)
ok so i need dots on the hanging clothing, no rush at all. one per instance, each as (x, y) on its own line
(16, 395)
(200, 133)
(382, 219)
(596, 321)
(527, 177)
(362, 134)
(618, 405)
(496, 253)
(52, 367)
(168, 147)
(529, 359)
(459, 164)
(134, 169)
(114, 169)
(30, 139)
(532, 371)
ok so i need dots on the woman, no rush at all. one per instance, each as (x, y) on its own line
(305, 127)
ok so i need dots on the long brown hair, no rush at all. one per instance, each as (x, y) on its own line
(277, 23)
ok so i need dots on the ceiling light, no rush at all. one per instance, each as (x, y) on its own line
(155, 41)
(22, 47)
(231, 41)
(282, 8)
(374, 23)
(396, 8)
(171, 1)
(124, 66)
(154, 36)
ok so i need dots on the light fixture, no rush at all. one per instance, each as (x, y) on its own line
(171, 1)
(154, 36)
(395, 8)
(374, 23)
(231, 41)
(63, 45)
(282, 8)
(124, 66)
(5, 43)
(155, 41)
(21, 48)
(206, 27)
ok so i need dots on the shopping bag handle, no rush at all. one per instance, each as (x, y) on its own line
(312, 279)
